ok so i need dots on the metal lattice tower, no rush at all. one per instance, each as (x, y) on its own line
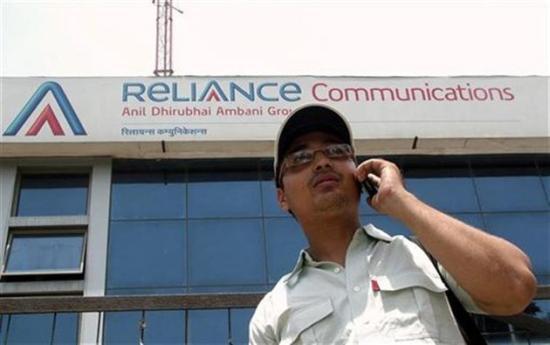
(163, 58)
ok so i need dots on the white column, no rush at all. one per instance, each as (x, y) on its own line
(8, 176)
(96, 257)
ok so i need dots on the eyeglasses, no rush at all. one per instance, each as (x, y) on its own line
(306, 156)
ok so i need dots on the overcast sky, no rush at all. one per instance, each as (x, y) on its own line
(364, 38)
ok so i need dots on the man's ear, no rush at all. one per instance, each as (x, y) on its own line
(281, 198)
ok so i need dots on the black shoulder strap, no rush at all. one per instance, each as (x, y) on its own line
(466, 324)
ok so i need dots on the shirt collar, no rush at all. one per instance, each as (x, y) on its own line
(304, 256)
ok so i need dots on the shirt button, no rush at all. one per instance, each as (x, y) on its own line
(356, 288)
(337, 270)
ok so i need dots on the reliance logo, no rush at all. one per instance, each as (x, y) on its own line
(47, 114)
(213, 90)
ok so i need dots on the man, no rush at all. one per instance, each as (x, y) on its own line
(358, 285)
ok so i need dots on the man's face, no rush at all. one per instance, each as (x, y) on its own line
(320, 186)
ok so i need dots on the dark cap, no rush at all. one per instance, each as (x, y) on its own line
(306, 119)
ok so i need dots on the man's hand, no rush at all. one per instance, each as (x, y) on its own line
(495, 273)
(387, 177)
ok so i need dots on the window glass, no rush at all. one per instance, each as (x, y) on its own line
(149, 254)
(122, 328)
(546, 183)
(52, 195)
(148, 196)
(230, 247)
(169, 327)
(364, 207)
(226, 252)
(498, 332)
(284, 239)
(269, 197)
(544, 168)
(489, 325)
(539, 308)
(45, 252)
(511, 193)
(224, 195)
(66, 329)
(30, 329)
(515, 338)
(530, 232)
(207, 327)
(165, 327)
(240, 318)
(448, 194)
(536, 339)
(3, 327)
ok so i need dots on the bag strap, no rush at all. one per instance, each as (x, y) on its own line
(466, 324)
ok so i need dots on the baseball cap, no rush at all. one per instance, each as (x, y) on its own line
(309, 118)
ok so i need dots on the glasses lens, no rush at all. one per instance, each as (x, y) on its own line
(302, 157)
(337, 151)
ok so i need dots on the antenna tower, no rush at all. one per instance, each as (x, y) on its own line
(163, 58)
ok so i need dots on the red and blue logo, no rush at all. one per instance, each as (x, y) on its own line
(47, 114)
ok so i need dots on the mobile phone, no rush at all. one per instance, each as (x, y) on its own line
(369, 187)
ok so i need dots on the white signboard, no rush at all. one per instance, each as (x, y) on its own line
(40, 110)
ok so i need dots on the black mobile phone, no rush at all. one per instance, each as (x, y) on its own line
(369, 187)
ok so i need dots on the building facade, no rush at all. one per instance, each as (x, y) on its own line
(122, 197)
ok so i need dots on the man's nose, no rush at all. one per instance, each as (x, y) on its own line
(320, 160)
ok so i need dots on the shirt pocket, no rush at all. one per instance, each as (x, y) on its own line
(406, 305)
(302, 320)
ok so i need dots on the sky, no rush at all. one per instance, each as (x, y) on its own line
(261, 37)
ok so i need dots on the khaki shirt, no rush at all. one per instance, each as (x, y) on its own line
(389, 292)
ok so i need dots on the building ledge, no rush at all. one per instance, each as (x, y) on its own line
(256, 149)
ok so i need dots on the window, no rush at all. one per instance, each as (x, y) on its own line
(175, 230)
(197, 326)
(228, 255)
(505, 189)
(540, 308)
(147, 233)
(448, 194)
(146, 256)
(122, 327)
(48, 227)
(160, 327)
(284, 240)
(217, 227)
(50, 328)
(152, 195)
(238, 321)
(545, 176)
(43, 251)
(52, 195)
(208, 327)
(269, 199)
(223, 194)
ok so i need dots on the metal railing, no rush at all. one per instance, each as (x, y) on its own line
(57, 304)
